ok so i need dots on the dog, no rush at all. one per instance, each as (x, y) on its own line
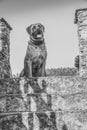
(36, 54)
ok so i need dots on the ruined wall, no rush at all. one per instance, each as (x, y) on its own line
(54, 103)
(81, 21)
(48, 103)
(5, 69)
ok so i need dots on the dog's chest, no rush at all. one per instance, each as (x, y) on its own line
(36, 52)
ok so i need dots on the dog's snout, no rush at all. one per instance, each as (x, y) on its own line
(39, 32)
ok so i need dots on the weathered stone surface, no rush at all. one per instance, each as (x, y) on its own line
(81, 20)
(50, 102)
(50, 85)
(54, 103)
(43, 94)
(5, 69)
(43, 121)
(74, 120)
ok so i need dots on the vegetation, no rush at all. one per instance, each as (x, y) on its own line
(62, 72)
(58, 72)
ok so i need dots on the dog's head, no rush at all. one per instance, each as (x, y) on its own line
(36, 31)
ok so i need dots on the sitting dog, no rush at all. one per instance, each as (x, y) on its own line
(36, 54)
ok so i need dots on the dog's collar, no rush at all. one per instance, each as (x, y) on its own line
(36, 41)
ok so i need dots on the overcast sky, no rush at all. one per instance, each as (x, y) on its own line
(60, 31)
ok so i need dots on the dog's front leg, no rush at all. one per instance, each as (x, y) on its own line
(43, 73)
(28, 68)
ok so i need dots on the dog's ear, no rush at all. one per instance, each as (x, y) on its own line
(28, 29)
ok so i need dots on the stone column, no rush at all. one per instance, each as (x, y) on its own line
(5, 69)
(81, 21)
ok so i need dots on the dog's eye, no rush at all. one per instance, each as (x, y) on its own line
(39, 26)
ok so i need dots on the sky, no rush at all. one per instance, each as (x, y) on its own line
(57, 16)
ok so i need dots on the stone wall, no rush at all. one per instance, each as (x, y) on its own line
(46, 103)
(81, 21)
(5, 69)
(54, 103)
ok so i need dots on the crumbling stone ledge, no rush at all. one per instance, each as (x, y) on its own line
(29, 103)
